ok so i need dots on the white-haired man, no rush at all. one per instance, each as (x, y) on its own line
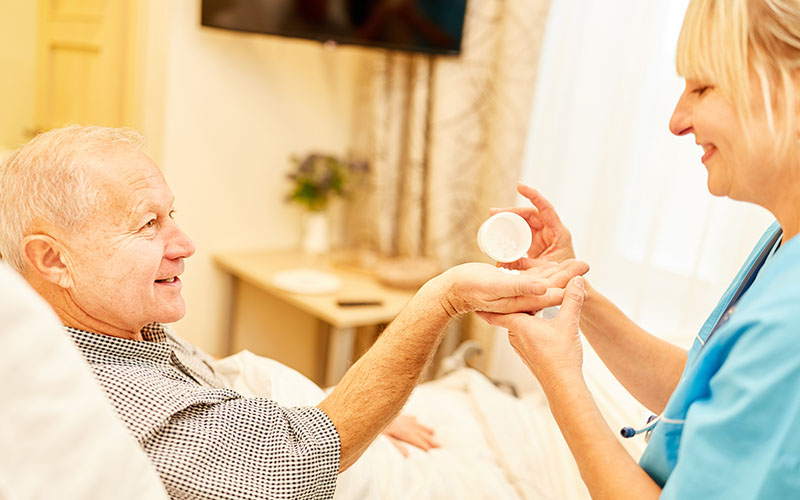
(87, 219)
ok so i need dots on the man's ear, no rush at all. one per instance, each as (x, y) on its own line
(44, 257)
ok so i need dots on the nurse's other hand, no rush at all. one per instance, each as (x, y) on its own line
(551, 240)
(482, 287)
(551, 348)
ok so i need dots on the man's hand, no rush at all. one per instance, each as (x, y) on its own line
(406, 429)
(551, 348)
(551, 239)
(374, 389)
(482, 287)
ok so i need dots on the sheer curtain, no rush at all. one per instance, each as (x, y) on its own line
(633, 196)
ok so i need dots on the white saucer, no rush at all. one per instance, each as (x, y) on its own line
(307, 281)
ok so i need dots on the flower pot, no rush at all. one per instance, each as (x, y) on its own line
(316, 233)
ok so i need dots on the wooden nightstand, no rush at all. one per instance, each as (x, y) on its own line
(290, 327)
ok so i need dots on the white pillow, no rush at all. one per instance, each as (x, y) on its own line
(59, 436)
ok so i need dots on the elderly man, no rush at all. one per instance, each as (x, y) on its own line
(87, 219)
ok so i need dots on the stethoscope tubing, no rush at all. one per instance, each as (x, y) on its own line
(750, 276)
(629, 432)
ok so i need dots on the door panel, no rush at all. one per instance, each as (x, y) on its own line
(85, 62)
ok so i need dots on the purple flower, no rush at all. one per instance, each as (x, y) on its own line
(319, 177)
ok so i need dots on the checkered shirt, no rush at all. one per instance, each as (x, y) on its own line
(207, 441)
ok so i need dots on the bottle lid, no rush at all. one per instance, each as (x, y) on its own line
(505, 237)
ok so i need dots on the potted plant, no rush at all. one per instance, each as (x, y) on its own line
(316, 180)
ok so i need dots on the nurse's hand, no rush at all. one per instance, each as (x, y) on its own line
(551, 238)
(482, 287)
(551, 348)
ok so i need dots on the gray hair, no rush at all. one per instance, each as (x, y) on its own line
(46, 180)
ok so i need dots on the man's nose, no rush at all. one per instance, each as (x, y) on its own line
(681, 121)
(179, 245)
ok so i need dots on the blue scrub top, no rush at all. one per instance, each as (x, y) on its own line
(731, 429)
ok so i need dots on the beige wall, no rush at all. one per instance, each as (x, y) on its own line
(235, 107)
(18, 63)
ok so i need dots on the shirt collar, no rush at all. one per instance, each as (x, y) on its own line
(100, 348)
(154, 332)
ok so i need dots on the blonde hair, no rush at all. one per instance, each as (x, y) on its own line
(724, 42)
(46, 180)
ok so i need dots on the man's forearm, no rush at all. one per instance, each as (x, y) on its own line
(374, 389)
(647, 366)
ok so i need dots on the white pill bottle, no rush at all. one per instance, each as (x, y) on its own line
(505, 237)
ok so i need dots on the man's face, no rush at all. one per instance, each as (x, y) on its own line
(125, 263)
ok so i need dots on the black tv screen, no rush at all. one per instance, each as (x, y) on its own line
(433, 26)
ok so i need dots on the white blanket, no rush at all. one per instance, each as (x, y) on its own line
(59, 436)
(492, 444)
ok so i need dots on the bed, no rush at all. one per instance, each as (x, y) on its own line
(493, 445)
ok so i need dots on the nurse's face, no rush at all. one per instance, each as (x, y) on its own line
(738, 169)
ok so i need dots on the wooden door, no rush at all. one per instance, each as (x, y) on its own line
(85, 61)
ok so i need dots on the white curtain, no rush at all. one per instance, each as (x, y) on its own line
(633, 195)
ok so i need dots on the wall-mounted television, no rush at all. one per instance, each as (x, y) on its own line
(432, 26)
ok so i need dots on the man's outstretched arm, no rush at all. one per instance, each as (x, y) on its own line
(375, 388)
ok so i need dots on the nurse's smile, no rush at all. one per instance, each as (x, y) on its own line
(709, 150)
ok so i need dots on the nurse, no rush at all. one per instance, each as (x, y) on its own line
(730, 407)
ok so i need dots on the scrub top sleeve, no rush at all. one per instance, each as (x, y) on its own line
(743, 441)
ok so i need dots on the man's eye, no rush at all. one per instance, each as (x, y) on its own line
(150, 223)
(172, 213)
(701, 90)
